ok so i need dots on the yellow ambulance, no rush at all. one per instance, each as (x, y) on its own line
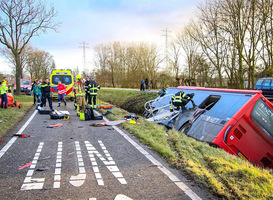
(66, 77)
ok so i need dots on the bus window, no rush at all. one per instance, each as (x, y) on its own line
(259, 82)
(266, 82)
(262, 115)
(209, 102)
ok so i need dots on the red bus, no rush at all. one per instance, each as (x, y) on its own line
(238, 121)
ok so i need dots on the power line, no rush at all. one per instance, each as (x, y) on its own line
(84, 46)
(166, 35)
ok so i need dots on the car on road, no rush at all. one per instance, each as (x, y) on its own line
(266, 85)
(25, 86)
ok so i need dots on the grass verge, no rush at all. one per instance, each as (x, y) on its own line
(128, 100)
(226, 175)
(12, 116)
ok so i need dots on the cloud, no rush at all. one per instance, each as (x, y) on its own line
(103, 21)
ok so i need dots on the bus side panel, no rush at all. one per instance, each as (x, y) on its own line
(246, 139)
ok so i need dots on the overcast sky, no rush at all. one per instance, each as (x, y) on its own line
(103, 21)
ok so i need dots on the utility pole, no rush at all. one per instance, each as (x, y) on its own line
(84, 46)
(166, 35)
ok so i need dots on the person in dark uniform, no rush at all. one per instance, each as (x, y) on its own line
(180, 100)
(46, 93)
(93, 88)
(87, 91)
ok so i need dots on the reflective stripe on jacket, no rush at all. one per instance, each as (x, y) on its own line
(79, 89)
(4, 87)
(93, 88)
(178, 97)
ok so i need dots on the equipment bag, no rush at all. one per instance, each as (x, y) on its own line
(44, 111)
(64, 115)
(89, 115)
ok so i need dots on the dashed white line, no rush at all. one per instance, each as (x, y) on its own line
(33, 183)
(57, 175)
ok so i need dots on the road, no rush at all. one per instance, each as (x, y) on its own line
(78, 161)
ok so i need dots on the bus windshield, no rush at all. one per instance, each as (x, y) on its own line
(65, 79)
(262, 115)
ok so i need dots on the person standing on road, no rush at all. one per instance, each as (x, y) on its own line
(46, 90)
(37, 92)
(147, 84)
(4, 89)
(87, 91)
(142, 85)
(93, 88)
(33, 92)
(80, 94)
(61, 93)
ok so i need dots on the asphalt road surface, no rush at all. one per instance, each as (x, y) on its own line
(78, 161)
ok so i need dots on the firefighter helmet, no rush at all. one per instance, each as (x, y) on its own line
(78, 77)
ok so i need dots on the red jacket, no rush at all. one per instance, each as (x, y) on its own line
(61, 89)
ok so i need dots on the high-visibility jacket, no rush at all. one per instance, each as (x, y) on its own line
(4, 87)
(79, 89)
(61, 89)
(178, 97)
(93, 88)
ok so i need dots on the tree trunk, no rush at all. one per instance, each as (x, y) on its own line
(18, 74)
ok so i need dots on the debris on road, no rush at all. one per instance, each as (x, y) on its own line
(26, 165)
(55, 125)
(42, 169)
(45, 158)
(131, 116)
(107, 107)
(110, 123)
(21, 135)
(107, 113)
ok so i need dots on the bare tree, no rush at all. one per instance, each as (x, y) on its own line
(19, 22)
(174, 58)
(190, 47)
(39, 63)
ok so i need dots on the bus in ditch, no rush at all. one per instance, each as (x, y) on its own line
(238, 121)
(66, 77)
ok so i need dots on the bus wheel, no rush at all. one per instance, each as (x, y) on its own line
(185, 128)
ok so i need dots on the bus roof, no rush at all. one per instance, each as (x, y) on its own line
(221, 90)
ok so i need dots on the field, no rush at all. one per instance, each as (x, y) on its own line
(12, 116)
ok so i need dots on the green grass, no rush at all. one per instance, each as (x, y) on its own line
(12, 116)
(226, 175)
(128, 100)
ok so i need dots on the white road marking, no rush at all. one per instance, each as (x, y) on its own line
(109, 163)
(79, 179)
(167, 172)
(33, 183)
(57, 176)
(122, 197)
(13, 139)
